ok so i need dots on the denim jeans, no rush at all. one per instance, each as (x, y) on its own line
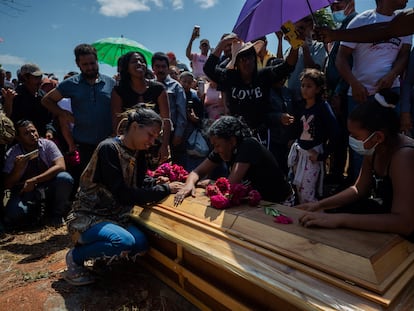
(58, 191)
(107, 239)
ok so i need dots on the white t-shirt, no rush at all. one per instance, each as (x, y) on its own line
(372, 61)
(197, 63)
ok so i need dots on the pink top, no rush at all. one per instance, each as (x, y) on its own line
(213, 102)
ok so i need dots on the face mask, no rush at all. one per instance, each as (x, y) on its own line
(339, 16)
(358, 145)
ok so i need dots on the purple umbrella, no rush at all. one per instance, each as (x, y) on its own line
(261, 17)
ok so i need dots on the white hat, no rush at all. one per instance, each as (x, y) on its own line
(238, 47)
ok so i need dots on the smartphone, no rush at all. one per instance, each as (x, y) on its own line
(201, 87)
(32, 154)
(291, 34)
(196, 30)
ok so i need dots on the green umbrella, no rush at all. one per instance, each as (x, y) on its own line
(110, 49)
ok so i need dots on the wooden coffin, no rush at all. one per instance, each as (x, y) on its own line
(240, 259)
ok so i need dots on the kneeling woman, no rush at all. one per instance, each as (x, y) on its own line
(111, 184)
(387, 174)
(247, 160)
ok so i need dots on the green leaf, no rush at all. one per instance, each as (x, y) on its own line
(272, 211)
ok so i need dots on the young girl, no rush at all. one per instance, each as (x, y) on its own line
(319, 131)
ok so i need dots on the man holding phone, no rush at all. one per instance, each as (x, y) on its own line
(197, 59)
(35, 170)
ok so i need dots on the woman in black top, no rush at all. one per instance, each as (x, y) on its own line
(387, 174)
(248, 162)
(114, 180)
(135, 88)
(246, 88)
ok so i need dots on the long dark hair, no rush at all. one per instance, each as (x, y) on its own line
(318, 77)
(373, 116)
(124, 64)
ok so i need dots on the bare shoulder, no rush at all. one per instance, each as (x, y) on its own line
(403, 159)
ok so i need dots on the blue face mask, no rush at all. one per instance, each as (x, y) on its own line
(338, 16)
(358, 145)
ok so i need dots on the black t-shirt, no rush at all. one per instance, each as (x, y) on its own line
(27, 106)
(264, 172)
(130, 98)
(250, 101)
(318, 125)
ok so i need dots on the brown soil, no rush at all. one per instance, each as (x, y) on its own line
(31, 264)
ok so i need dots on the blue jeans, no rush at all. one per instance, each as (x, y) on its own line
(107, 239)
(58, 191)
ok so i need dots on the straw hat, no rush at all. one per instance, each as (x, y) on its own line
(238, 47)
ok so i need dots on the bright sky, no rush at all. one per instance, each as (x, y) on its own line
(46, 31)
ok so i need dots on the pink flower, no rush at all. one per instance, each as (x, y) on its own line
(223, 184)
(219, 201)
(173, 172)
(235, 200)
(254, 198)
(282, 219)
(239, 189)
(223, 194)
(212, 189)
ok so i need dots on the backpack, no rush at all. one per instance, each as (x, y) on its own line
(7, 130)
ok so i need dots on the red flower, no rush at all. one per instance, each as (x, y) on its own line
(219, 201)
(282, 219)
(254, 198)
(235, 200)
(173, 172)
(223, 195)
(212, 189)
(239, 190)
(223, 184)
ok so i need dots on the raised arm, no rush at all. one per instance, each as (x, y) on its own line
(190, 45)
(401, 25)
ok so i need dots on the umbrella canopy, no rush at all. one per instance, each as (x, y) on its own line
(261, 17)
(110, 49)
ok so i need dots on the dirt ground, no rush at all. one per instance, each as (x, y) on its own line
(31, 264)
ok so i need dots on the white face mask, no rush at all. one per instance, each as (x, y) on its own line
(358, 145)
(338, 16)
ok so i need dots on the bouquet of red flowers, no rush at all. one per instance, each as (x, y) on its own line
(223, 195)
(173, 172)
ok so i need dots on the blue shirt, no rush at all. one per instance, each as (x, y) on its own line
(91, 107)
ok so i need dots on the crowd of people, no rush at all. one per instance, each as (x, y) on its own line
(287, 124)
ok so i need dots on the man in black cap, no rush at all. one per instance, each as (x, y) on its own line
(26, 105)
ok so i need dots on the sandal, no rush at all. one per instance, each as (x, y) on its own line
(76, 275)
